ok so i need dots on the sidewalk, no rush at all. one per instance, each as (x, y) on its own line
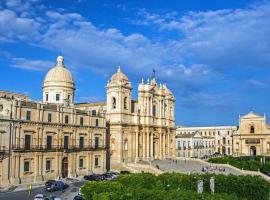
(24, 186)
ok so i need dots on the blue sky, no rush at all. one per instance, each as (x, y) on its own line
(213, 54)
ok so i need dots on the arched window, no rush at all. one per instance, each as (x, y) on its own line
(113, 103)
(252, 129)
(125, 103)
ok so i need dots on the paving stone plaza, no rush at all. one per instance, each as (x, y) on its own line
(193, 166)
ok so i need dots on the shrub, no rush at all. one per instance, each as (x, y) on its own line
(173, 186)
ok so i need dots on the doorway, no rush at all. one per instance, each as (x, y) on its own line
(253, 151)
(64, 167)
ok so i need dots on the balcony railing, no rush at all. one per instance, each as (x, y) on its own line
(61, 148)
(4, 152)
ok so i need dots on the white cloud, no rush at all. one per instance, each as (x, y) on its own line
(31, 65)
(14, 27)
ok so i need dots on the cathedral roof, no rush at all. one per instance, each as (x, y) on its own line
(119, 76)
(252, 114)
(59, 75)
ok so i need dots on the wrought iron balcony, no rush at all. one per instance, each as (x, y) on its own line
(57, 148)
(4, 152)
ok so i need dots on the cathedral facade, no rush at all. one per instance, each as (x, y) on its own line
(142, 129)
(57, 138)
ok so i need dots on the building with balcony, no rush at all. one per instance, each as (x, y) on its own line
(221, 135)
(57, 138)
(51, 139)
(194, 145)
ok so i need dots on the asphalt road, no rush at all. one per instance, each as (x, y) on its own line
(68, 194)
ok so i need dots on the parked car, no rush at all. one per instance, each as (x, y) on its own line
(40, 197)
(54, 186)
(54, 198)
(124, 172)
(110, 175)
(78, 197)
(94, 177)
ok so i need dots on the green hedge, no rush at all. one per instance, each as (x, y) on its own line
(245, 162)
(176, 186)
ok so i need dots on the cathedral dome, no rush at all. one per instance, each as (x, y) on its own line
(59, 76)
(58, 85)
(119, 76)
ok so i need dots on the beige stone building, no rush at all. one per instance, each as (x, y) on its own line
(142, 129)
(56, 138)
(252, 136)
(222, 136)
(50, 139)
(194, 145)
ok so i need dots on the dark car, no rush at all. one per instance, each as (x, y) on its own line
(55, 186)
(78, 197)
(94, 177)
(124, 172)
(49, 185)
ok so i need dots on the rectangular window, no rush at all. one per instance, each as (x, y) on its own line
(26, 166)
(47, 97)
(154, 110)
(94, 112)
(96, 122)
(132, 107)
(66, 138)
(96, 161)
(81, 121)
(81, 142)
(66, 119)
(49, 117)
(48, 165)
(81, 163)
(28, 115)
(57, 98)
(27, 142)
(49, 142)
(96, 142)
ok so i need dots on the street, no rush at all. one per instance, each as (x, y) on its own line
(68, 194)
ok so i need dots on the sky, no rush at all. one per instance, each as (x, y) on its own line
(213, 54)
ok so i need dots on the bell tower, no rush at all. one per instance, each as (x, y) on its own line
(118, 114)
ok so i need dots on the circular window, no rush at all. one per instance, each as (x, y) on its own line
(1, 108)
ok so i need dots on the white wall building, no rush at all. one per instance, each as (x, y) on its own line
(222, 136)
(193, 145)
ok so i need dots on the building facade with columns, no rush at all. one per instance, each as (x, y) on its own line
(194, 145)
(142, 129)
(222, 136)
(57, 138)
(50, 139)
(253, 136)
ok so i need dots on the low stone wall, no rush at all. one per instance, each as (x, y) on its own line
(138, 168)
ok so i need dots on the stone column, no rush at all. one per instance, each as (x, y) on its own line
(168, 144)
(136, 146)
(147, 144)
(143, 144)
(160, 145)
(151, 145)
(163, 145)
